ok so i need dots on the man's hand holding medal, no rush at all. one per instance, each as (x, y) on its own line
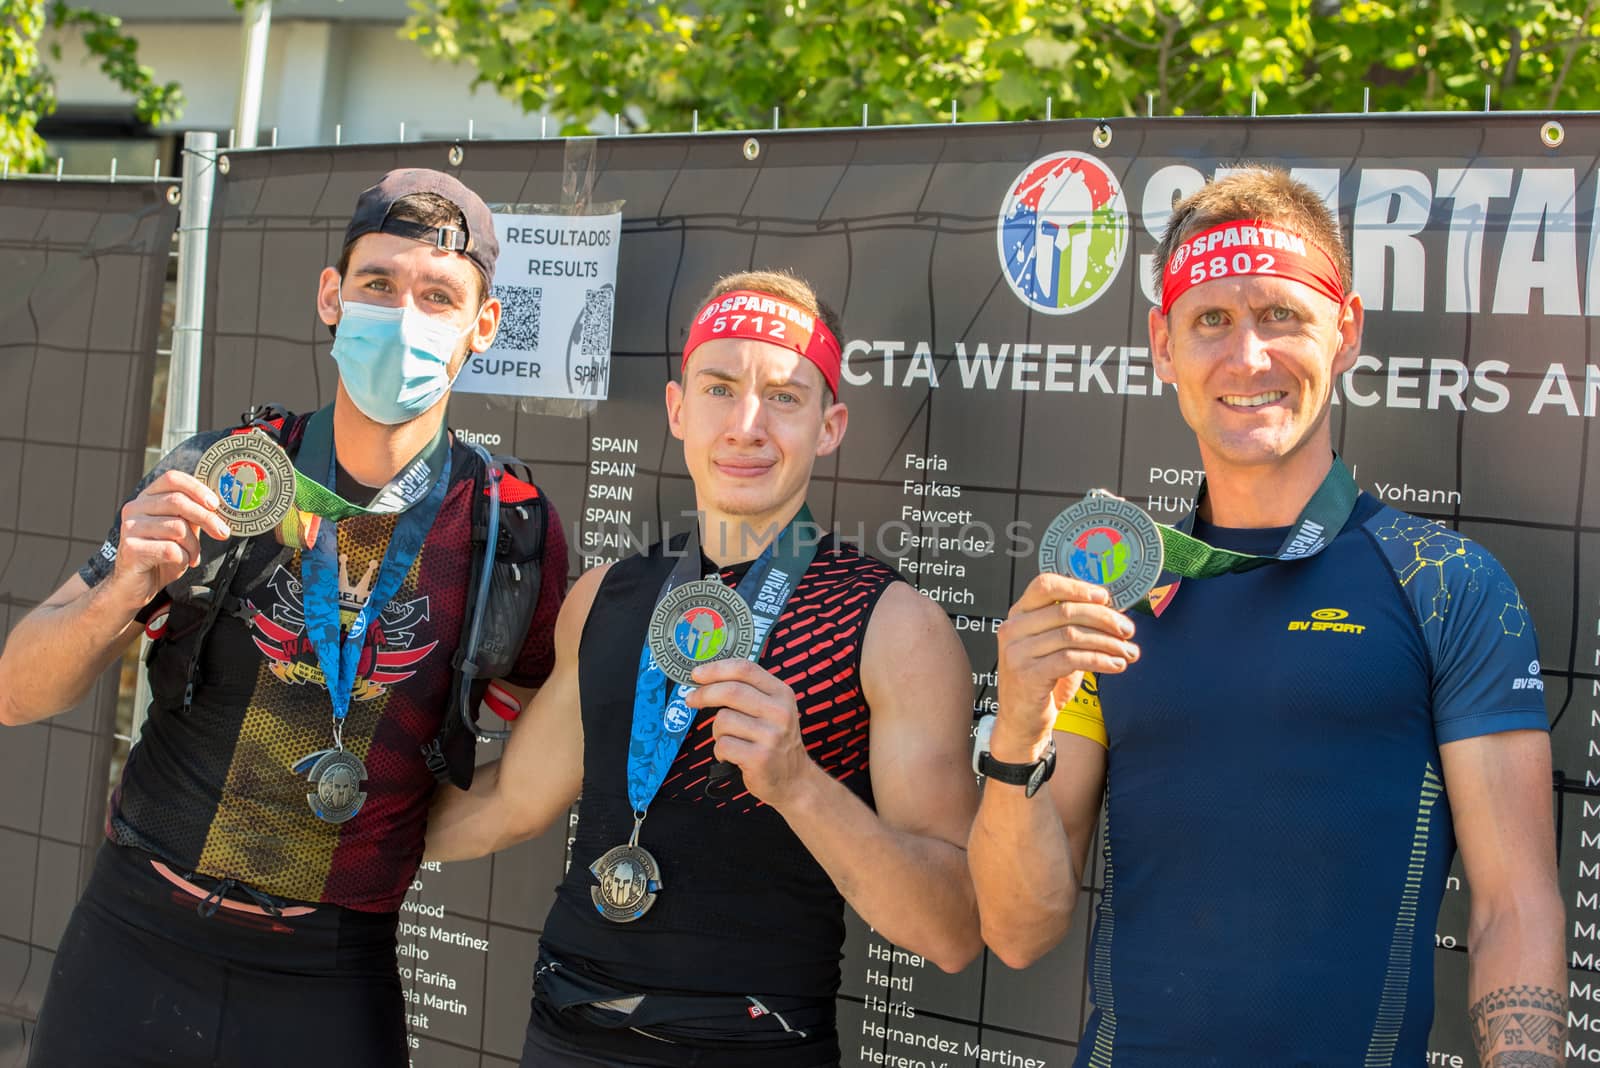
(1059, 628)
(160, 535)
(757, 727)
(1097, 559)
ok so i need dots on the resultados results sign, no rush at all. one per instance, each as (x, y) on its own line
(557, 282)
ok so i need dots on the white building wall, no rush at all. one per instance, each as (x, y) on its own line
(361, 76)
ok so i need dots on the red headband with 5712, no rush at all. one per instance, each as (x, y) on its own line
(744, 313)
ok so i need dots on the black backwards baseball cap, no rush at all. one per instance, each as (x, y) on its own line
(477, 243)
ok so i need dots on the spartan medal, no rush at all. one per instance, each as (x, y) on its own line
(336, 778)
(252, 477)
(698, 623)
(1107, 541)
(628, 879)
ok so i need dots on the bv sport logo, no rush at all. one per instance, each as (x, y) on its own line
(1331, 620)
(1063, 232)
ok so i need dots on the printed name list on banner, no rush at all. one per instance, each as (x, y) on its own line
(557, 284)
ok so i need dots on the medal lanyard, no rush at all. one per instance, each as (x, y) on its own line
(660, 723)
(415, 493)
(1186, 556)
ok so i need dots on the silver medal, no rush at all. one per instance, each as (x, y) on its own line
(627, 879)
(336, 777)
(699, 623)
(1106, 541)
(253, 479)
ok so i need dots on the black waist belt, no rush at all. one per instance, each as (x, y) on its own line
(715, 1019)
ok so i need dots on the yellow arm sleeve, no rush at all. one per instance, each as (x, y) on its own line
(1081, 715)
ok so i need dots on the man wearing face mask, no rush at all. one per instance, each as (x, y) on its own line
(268, 823)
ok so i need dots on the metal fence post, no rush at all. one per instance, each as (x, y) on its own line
(253, 70)
(194, 229)
(182, 418)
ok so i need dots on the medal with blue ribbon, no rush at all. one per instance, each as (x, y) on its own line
(415, 494)
(696, 621)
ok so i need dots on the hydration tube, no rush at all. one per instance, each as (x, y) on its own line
(469, 663)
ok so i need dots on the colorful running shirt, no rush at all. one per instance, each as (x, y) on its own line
(212, 789)
(1277, 836)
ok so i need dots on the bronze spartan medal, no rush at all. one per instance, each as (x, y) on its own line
(1109, 542)
(336, 778)
(628, 879)
(253, 478)
(698, 623)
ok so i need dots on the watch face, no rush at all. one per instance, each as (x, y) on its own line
(980, 742)
(1039, 775)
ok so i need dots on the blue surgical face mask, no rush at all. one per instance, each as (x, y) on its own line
(394, 362)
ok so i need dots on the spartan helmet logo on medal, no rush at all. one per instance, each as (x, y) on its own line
(336, 776)
(338, 787)
(626, 881)
(623, 885)
(244, 484)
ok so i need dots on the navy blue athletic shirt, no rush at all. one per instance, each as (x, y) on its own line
(1277, 833)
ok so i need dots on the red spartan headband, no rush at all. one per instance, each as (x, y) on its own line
(1248, 247)
(745, 313)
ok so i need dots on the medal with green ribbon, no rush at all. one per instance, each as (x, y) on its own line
(1114, 543)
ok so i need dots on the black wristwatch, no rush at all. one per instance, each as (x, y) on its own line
(1028, 776)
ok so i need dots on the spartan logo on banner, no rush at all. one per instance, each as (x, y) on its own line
(1063, 232)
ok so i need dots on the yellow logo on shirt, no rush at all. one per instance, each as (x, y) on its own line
(1332, 620)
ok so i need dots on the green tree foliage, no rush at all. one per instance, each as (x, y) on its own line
(912, 60)
(27, 91)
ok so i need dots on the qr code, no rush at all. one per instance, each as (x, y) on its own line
(596, 341)
(519, 317)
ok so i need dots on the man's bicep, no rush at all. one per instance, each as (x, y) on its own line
(543, 762)
(541, 770)
(918, 683)
(1498, 786)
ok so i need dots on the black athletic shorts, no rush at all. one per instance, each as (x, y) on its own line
(143, 980)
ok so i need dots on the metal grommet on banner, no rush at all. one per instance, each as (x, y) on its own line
(1552, 134)
(752, 148)
(456, 155)
(174, 194)
(1102, 134)
(222, 164)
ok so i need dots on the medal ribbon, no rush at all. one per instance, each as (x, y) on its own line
(415, 493)
(312, 497)
(1324, 515)
(653, 743)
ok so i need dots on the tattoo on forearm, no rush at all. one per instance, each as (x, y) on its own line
(1520, 1027)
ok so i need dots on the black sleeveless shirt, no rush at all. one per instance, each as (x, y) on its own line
(744, 908)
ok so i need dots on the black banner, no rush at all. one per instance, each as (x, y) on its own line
(83, 265)
(997, 368)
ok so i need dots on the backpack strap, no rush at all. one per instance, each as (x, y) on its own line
(216, 594)
(507, 545)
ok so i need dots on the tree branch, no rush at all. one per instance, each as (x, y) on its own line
(1572, 51)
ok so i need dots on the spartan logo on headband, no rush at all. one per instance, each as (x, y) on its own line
(1063, 232)
(1245, 247)
(755, 316)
